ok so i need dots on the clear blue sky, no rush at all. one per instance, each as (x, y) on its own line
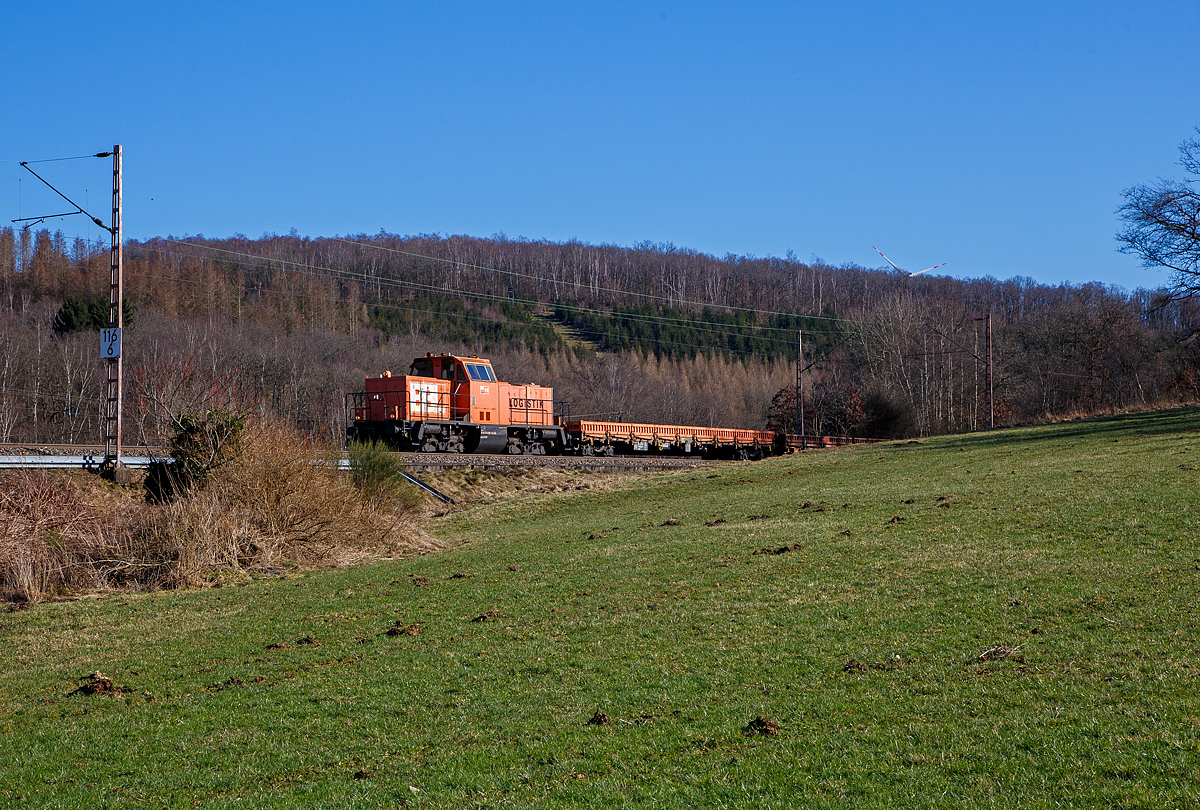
(996, 137)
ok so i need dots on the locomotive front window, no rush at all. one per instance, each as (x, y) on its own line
(480, 373)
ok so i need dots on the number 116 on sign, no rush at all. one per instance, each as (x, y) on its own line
(110, 342)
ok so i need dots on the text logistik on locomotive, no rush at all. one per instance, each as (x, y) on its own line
(449, 403)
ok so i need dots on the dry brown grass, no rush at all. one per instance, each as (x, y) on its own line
(51, 536)
(274, 506)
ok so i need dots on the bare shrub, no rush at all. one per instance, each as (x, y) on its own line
(281, 501)
(49, 535)
(180, 543)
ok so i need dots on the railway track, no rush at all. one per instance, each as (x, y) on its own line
(89, 457)
(438, 461)
(44, 449)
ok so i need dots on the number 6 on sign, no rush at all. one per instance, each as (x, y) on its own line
(110, 342)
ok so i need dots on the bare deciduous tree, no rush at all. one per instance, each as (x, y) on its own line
(1162, 223)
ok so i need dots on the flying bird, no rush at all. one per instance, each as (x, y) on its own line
(910, 275)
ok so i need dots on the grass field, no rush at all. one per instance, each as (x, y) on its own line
(998, 620)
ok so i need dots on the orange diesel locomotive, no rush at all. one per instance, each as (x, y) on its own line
(454, 404)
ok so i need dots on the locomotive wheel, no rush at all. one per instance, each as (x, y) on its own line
(455, 445)
(429, 446)
(514, 448)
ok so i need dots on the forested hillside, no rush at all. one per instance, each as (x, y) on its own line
(285, 325)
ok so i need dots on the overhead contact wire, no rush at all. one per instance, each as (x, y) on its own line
(312, 270)
(469, 265)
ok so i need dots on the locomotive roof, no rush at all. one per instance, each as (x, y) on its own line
(464, 357)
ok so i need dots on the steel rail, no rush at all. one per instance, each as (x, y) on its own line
(430, 461)
(55, 449)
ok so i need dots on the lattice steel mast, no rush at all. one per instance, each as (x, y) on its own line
(112, 403)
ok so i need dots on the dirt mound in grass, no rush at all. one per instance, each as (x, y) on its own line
(402, 629)
(97, 683)
(780, 550)
(762, 725)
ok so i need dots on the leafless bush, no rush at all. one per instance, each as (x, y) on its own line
(274, 504)
(49, 536)
(277, 503)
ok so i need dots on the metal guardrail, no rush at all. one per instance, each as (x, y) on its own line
(92, 463)
(31, 462)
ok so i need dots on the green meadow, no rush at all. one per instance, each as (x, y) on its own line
(1005, 619)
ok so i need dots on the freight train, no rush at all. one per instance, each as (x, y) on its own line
(455, 404)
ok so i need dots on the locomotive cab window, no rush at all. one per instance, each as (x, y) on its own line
(422, 368)
(480, 373)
